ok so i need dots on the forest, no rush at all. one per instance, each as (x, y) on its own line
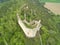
(12, 34)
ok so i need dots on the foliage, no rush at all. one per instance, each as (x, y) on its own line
(12, 34)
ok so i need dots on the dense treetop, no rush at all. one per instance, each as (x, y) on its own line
(12, 34)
